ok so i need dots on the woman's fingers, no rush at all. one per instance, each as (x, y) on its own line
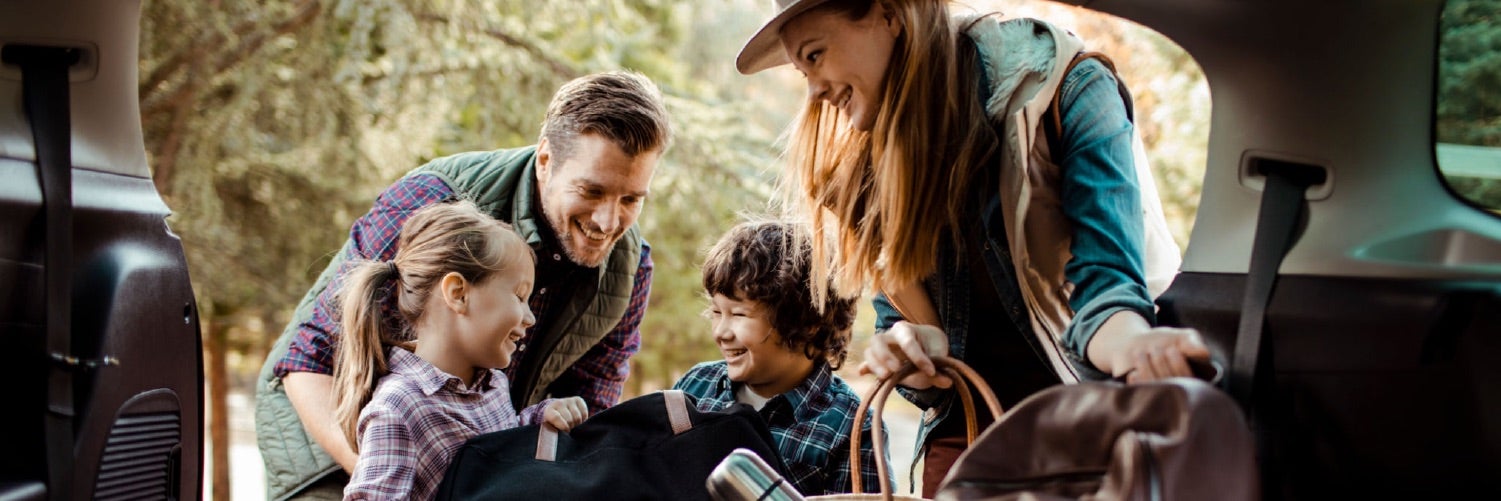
(913, 351)
(1162, 353)
(1176, 363)
(907, 343)
(877, 359)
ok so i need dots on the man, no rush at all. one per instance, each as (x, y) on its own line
(574, 197)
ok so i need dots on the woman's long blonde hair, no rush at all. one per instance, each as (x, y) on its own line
(437, 240)
(880, 201)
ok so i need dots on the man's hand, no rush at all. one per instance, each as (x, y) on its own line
(1126, 345)
(908, 342)
(565, 413)
(312, 395)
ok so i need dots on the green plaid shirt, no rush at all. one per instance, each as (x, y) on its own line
(810, 423)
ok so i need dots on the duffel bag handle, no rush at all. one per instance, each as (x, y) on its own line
(677, 417)
(961, 374)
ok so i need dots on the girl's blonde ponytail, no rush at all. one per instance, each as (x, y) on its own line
(361, 356)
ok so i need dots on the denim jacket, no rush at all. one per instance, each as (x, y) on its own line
(1098, 195)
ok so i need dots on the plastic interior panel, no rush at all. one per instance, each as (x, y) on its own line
(1348, 83)
(1382, 386)
(106, 108)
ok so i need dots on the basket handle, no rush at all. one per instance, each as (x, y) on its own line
(962, 375)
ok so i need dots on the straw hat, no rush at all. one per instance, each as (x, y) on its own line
(764, 49)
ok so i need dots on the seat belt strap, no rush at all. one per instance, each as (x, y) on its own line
(1282, 206)
(44, 88)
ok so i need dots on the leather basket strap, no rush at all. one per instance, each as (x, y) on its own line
(547, 443)
(875, 401)
(677, 411)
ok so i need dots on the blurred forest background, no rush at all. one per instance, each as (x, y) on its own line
(271, 126)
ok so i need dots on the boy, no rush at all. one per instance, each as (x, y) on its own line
(779, 355)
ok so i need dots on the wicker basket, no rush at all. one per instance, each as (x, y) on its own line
(873, 402)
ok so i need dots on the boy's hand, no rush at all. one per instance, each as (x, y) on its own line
(565, 413)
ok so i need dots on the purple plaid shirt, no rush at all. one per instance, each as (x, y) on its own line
(418, 418)
(600, 374)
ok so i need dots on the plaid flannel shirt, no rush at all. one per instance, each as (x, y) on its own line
(810, 423)
(416, 421)
(600, 374)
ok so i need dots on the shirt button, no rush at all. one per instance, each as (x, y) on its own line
(556, 257)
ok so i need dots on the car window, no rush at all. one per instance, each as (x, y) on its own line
(1468, 125)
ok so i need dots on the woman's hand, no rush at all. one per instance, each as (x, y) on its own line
(1126, 345)
(908, 342)
(565, 413)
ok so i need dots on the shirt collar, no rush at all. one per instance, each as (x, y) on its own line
(803, 397)
(806, 394)
(549, 251)
(431, 379)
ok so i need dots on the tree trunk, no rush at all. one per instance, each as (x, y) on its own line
(218, 401)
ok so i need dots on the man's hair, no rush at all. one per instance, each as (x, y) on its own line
(767, 262)
(624, 107)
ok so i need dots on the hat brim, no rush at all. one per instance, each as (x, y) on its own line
(764, 49)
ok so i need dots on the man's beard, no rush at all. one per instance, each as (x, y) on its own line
(565, 231)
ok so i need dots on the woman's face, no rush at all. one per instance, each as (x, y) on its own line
(844, 60)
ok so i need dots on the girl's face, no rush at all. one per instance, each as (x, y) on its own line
(496, 317)
(843, 60)
(752, 348)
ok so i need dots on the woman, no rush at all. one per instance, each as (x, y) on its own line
(922, 155)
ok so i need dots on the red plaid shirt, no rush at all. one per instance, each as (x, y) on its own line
(418, 418)
(600, 374)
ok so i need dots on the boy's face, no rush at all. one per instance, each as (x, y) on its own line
(752, 348)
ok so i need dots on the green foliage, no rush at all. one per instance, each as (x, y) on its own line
(1469, 89)
(1469, 80)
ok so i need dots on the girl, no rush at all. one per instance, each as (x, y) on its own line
(923, 161)
(458, 284)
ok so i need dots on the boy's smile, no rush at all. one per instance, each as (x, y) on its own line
(752, 349)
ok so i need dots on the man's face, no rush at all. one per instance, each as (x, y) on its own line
(591, 197)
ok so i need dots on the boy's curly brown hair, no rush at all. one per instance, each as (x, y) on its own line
(768, 262)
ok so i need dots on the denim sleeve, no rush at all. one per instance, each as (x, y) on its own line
(1100, 196)
(886, 314)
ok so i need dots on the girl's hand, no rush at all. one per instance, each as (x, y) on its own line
(565, 413)
(908, 342)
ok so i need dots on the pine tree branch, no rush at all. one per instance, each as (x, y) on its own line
(154, 97)
(558, 66)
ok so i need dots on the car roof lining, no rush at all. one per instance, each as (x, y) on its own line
(1347, 85)
(104, 93)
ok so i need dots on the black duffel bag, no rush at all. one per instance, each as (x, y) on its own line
(653, 447)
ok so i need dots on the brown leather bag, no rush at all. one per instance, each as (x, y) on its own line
(1181, 438)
